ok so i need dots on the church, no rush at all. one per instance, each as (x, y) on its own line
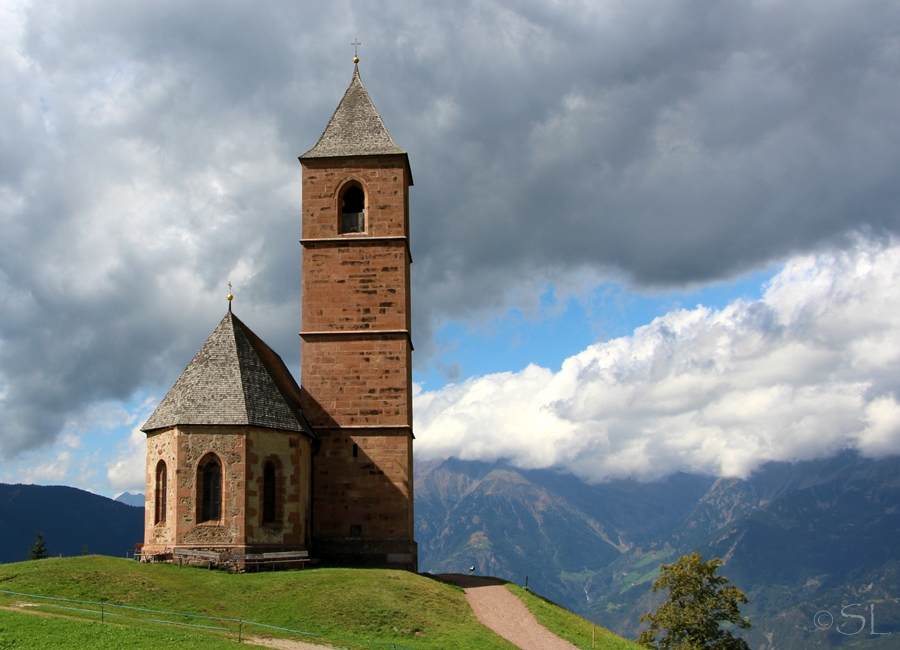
(240, 458)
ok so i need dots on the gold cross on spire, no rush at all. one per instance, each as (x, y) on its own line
(355, 45)
(230, 296)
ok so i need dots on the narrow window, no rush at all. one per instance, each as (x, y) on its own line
(161, 491)
(211, 509)
(355, 450)
(269, 493)
(353, 214)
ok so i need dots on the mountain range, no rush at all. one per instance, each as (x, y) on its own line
(72, 522)
(803, 540)
(815, 545)
(136, 499)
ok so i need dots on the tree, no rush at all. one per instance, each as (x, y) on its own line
(699, 601)
(39, 550)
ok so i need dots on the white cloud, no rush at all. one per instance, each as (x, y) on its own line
(809, 369)
(882, 435)
(127, 472)
(51, 472)
(70, 440)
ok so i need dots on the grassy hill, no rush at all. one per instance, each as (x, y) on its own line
(352, 608)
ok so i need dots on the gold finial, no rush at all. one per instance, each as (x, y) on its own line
(230, 296)
(355, 45)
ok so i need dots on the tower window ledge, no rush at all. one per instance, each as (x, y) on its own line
(353, 235)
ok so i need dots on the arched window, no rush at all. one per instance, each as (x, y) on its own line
(161, 491)
(210, 475)
(269, 493)
(353, 210)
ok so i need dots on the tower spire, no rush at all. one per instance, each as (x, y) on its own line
(355, 128)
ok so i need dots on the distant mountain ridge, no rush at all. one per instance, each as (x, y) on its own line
(542, 524)
(72, 522)
(136, 499)
(798, 538)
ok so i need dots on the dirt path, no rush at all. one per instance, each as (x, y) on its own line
(283, 644)
(498, 609)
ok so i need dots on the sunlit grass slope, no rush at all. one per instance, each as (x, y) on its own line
(346, 607)
(25, 631)
(352, 608)
(572, 628)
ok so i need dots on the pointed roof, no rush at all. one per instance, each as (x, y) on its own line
(235, 379)
(355, 129)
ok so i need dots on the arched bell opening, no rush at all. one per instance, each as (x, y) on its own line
(353, 209)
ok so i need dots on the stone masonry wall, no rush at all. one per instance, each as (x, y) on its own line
(242, 453)
(160, 447)
(291, 454)
(194, 443)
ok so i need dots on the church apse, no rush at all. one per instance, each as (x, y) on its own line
(234, 410)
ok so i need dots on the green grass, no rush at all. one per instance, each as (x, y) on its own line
(631, 581)
(581, 576)
(22, 631)
(650, 576)
(567, 625)
(353, 608)
(653, 557)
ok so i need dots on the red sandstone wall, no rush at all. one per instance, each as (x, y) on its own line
(356, 358)
(371, 490)
(384, 179)
(351, 381)
(359, 285)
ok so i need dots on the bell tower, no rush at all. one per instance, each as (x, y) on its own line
(356, 348)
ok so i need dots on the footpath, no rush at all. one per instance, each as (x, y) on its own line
(495, 607)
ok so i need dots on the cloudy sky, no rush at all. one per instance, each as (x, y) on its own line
(648, 236)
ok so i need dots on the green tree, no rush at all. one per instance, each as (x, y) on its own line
(39, 550)
(699, 601)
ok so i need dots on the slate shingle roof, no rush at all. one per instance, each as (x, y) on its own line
(235, 379)
(355, 129)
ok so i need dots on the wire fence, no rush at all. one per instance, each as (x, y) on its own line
(235, 627)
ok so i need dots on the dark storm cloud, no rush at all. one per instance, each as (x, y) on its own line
(677, 142)
(148, 155)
